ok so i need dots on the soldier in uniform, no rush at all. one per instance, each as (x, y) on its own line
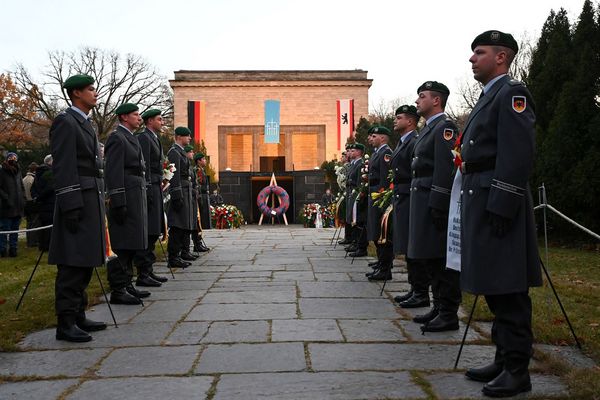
(405, 125)
(78, 241)
(127, 214)
(186, 254)
(153, 156)
(342, 183)
(499, 255)
(432, 175)
(379, 170)
(202, 201)
(357, 216)
(180, 216)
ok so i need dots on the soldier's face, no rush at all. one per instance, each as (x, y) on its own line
(88, 96)
(185, 140)
(377, 139)
(370, 139)
(155, 123)
(132, 120)
(484, 62)
(424, 103)
(400, 122)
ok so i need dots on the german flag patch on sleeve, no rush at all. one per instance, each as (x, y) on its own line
(448, 134)
(519, 103)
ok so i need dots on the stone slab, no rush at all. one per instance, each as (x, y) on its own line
(321, 386)
(123, 313)
(293, 276)
(270, 260)
(69, 363)
(571, 355)
(237, 331)
(332, 277)
(255, 267)
(165, 310)
(246, 274)
(195, 387)
(157, 360)
(391, 357)
(356, 330)
(268, 357)
(309, 330)
(35, 390)
(338, 289)
(191, 294)
(347, 308)
(236, 312)
(456, 386)
(413, 330)
(188, 333)
(253, 296)
(181, 284)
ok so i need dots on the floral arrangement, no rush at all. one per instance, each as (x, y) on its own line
(341, 173)
(362, 191)
(168, 171)
(314, 215)
(456, 152)
(383, 198)
(226, 216)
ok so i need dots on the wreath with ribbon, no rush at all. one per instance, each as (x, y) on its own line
(263, 197)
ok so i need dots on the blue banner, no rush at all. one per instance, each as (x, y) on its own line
(271, 121)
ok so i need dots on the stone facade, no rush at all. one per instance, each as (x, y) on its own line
(235, 113)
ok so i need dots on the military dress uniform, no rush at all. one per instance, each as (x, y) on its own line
(499, 255)
(78, 241)
(128, 213)
(202, 216)
(358, 222)
(432, 169)
(180, 214)
(152, 152)
(203, 200)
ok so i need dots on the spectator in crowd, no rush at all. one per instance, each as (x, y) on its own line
(12, 203)
(216, 198)
(327, 198)
(43, 192)
(31, 214)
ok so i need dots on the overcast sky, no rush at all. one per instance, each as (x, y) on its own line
(401, 43)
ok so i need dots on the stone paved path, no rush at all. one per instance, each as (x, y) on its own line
(269, 313)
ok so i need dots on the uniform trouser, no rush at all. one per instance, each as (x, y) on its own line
(69, 288)
(410, 272)
(144, 259)
(445, 287)
(177, 241)
(120, 269)
(511, 330)
(33, 221)
(360, 235)
(196, 238)
(347, 231)
(385, 255)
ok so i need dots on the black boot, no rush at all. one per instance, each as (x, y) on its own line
(441, 323)
(120, 296)
(485, 374)
(417, 300)
(383, 274)
(88, 325)
(358, 253)
(425, 318)
(158, 278)
(177, 262)
(187, 256)
(140, 294)
(146, 280)
(69, 331)
(508, 384)
(404, 297)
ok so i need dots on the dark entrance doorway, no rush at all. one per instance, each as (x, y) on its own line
(259, 182)
(272, 164)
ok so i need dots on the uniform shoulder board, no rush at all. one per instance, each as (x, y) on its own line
(514, 82)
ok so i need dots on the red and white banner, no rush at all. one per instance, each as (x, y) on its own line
(345, 121)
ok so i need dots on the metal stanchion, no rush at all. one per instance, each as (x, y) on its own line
(29, 281)
(462, 343)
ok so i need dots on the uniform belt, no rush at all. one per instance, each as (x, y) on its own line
(92, 172)
(477, 166)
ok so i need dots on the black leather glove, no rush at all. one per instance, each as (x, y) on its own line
(149, 198)
(119, 214)
(500, 225)
(72, 218)
(440, 219)
(177, 204)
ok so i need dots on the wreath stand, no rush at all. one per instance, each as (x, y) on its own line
(272, 183)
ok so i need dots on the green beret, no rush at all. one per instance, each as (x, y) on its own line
(78, 82)
(188, 148)
(380, 130)
(199, 156)
(126, 108)
(349, 146)
(182, 131)
(406, 109)
(495, 38)
(434, 86)
(359, 146)
(153, 112)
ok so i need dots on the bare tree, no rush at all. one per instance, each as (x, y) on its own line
(119, 79)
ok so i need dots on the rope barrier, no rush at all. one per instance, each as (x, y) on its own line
(40, 228)
(563, 216)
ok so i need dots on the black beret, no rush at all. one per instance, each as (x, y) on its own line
(182, 131)
(380, 130)
(188, 148)
(495, 38)
(199, 156)
(406, 109)
(78, 82)
(153, 112)
(359, 146)
(434, 86)
(126, 108)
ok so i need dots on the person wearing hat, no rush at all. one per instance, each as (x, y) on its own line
(78, 242)
(127, 201)
(379, 170)
(152, 151)
(180, 216)
(405, 125)
(202, 201)
(342, 182)
(43, 191)
(186, 254)
(12, 203)
(432, 170)
(31, 214)
(499, 252)
(356, 204)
